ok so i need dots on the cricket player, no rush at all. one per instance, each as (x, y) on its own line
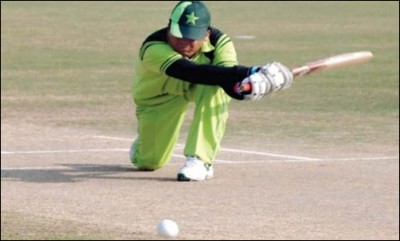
(189, 61)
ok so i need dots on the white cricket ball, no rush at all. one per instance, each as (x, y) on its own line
(167, 228)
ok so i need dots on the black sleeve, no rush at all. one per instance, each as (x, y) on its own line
(207, 74)
(227, 78)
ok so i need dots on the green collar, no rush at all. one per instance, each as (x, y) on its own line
(207, 47)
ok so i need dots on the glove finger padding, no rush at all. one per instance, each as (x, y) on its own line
(280, 76)
(259, 86)
(271, 77)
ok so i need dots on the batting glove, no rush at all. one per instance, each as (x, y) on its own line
(270, 78)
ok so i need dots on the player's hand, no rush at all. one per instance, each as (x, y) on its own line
(271, 77)
(231, 89)
(281, 76)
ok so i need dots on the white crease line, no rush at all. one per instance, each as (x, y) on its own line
(115, 138)
(230, 150)
(271, 154)
(363, 158)
(63, 151)
(216, 161)
(33, 168)
(297, 158)
(90, 150)
(250, 161)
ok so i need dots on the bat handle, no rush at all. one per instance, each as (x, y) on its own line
(244, 88)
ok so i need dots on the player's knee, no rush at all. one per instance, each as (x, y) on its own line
(148, 167)
(132, 153)
(143, 163)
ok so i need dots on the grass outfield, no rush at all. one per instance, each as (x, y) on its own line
(70, 64)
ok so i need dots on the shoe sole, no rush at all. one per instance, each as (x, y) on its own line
(182, 178)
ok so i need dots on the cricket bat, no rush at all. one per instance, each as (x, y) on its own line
(333, 62)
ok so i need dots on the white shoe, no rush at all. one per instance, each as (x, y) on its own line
(195, 169)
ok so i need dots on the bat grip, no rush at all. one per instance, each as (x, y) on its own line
(245, 88)
(242, 88)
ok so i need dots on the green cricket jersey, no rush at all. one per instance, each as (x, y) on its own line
(166, 83)
(161, 71)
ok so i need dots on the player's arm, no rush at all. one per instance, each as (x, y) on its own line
(263, 80)
(158, 56)
(208, 74)
(223, 69)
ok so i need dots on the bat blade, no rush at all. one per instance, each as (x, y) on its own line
(337, 61)
(333, 62)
